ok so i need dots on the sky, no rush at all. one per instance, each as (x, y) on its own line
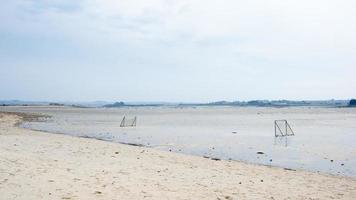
(177, 51)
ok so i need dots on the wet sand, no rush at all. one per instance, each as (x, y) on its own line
(39, 165)
(324, 137)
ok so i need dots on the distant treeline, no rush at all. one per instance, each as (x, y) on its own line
(122, 104)
(114, 105)
(352, 103)
(258, 103)
(277, 103)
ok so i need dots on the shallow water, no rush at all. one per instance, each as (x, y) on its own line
(236, 133)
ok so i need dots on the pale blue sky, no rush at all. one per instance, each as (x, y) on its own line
(187, 50)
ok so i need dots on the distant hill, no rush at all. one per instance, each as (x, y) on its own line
(47, 103)
(255, 103)
(122, 104)
(284, 103)
(21, 103)
(115, 105)
(275, 103)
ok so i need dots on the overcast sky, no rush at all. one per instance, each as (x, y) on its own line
(177, 50)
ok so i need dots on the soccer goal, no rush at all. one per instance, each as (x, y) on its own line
(282, 128)
(128, 122)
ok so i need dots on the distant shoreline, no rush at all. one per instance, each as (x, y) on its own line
(253, 103)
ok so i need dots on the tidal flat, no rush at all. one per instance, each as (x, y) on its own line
(324, 139)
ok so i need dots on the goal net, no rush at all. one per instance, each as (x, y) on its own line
(282, 128)
(128, 122)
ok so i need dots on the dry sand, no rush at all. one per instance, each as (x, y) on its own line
(38, 165)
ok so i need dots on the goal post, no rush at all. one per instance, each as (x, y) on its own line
(282, 128)
(128, 122)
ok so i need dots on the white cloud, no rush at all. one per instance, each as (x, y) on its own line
(227, 37)
(322, 23)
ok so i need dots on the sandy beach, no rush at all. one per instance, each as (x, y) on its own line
(39, 165)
